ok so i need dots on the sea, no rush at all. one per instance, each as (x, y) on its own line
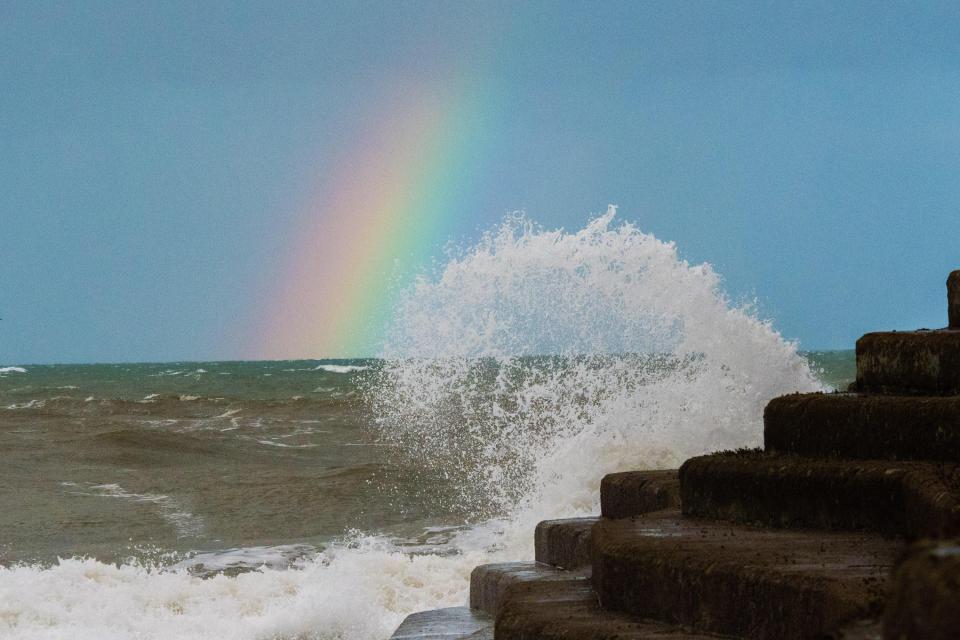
(322, 499)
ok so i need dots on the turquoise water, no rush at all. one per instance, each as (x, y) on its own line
(835, 368)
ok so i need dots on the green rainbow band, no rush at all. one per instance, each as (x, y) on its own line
(393, 199)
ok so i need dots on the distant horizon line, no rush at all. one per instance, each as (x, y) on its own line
(802, 352)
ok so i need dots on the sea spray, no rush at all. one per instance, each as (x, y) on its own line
(360, 589)
(538, 361)
(515, 377)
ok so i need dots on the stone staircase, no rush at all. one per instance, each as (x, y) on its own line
(845, 525)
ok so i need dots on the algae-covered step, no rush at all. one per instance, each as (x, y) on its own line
(740, 580)
(490, 584)
(452, 623)
(533, 601)
(871, 426)
(631, 493)
(913, 362)
(912, 499)
(564, 543)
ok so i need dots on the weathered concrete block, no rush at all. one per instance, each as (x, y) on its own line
(740, 580)
(921, 362)
(453, 623)
(561, 605)
(631, 493)
(913, 499)
(925, 594)
(564, 543)
(490, 583)
(953, 300)
(850, 425)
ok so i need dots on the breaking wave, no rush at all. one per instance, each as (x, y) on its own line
(341, 368)
(539, 361)
(8, 370)
(516, 376)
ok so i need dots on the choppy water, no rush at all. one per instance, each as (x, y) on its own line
(329, 499)
(160, 462)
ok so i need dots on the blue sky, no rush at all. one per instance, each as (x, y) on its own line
(154, 153)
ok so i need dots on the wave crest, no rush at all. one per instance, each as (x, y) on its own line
(539, 360)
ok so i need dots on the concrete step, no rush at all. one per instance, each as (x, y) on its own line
(564, 543)
(740, 580)
(912, 499)
(631, 493)
(537, 602)
(454, 623)
(489, 583)
(910, 362)
(867, 426)
(925, 592)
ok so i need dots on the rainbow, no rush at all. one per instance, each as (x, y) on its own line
(379, 215)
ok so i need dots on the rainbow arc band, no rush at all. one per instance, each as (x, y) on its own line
(394, 197)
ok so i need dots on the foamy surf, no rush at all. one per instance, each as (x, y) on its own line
(8, 370)
(515, 377)
(340, 368)
(185, 523)
(361, 588)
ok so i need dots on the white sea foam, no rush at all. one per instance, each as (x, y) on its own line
(340, 368)
(186, 524)
(358, 590)
(31, 404)
(651, 363)
(272, 443)
(275, 557)
(7, 370)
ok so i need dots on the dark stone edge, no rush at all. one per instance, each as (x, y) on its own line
(707, 590)
(911, 499)
(910, 362)
(564, 544)
(632, 493)
(864, 426)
